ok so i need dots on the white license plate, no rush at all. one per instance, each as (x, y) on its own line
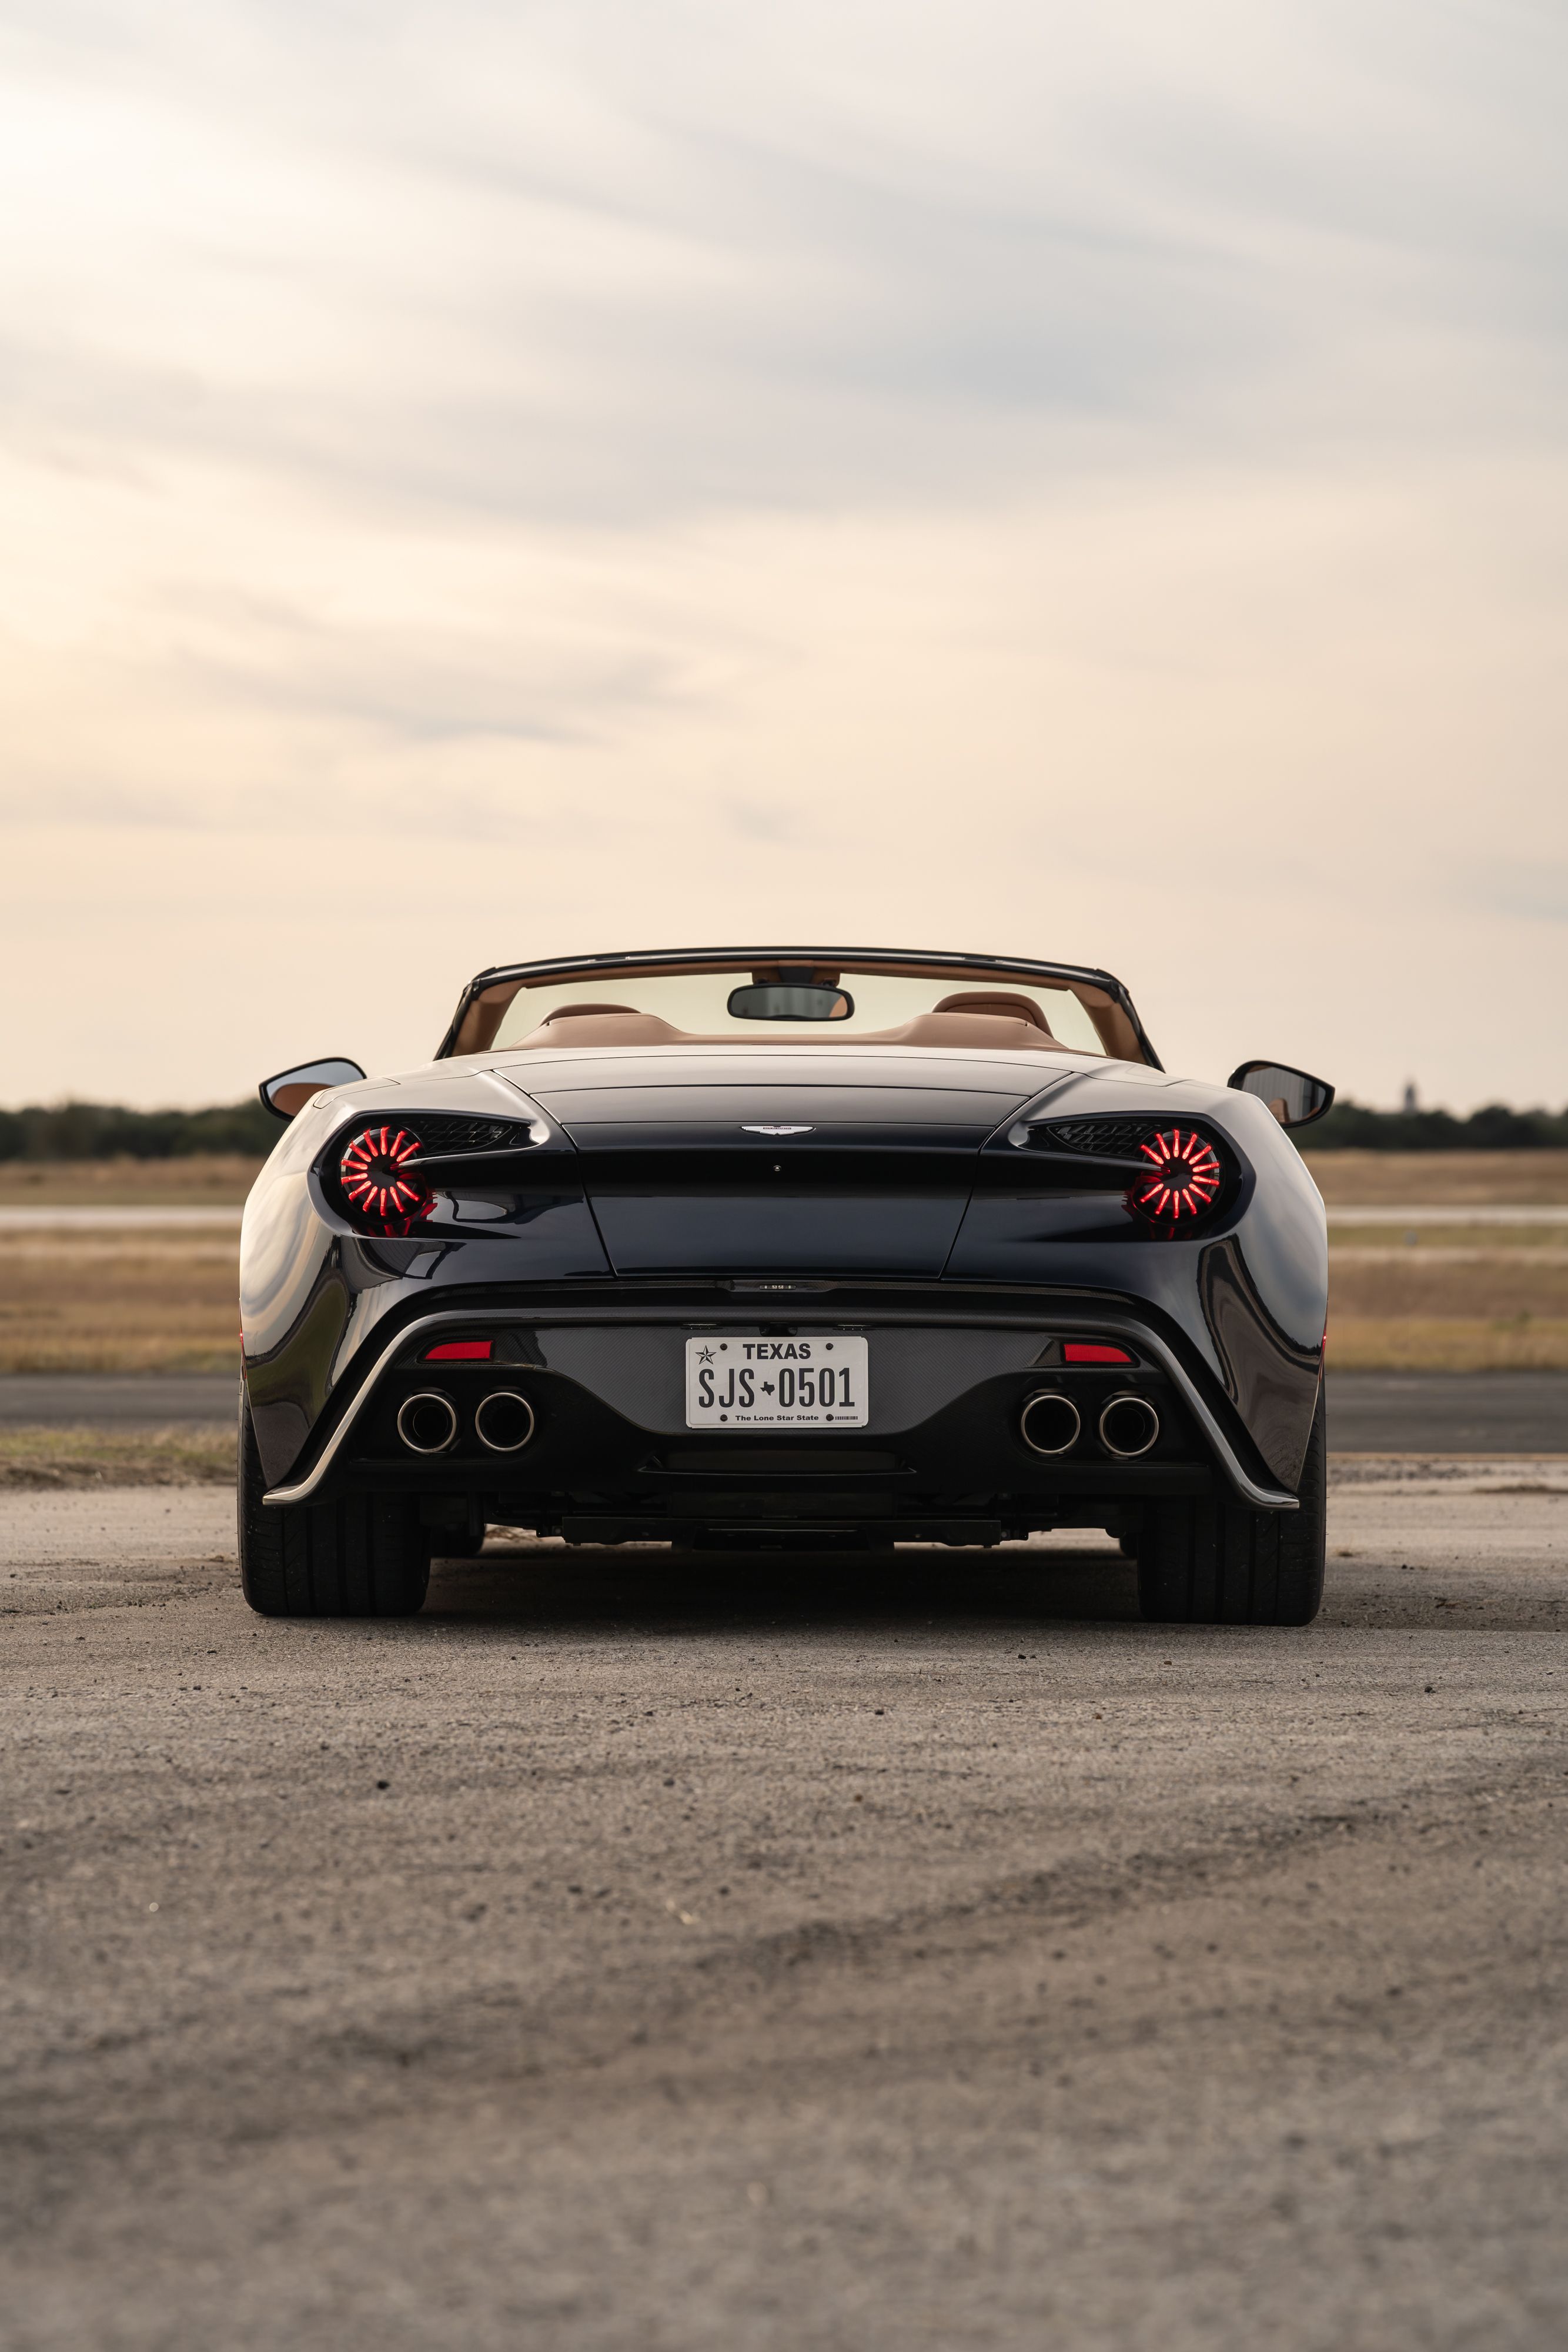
(740, 1384)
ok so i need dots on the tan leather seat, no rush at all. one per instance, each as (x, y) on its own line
(574, 1012)
(602, 1024)
(985, 1021)
(995, 1032)
(995, 1000)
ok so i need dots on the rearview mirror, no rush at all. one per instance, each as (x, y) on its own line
(772, 1000)
(290, 1090)
(1294, 1098)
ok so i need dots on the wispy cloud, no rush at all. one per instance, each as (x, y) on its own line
(998, 469)
(1537, 891)
(591, 262)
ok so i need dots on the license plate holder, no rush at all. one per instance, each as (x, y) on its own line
(822, 1380)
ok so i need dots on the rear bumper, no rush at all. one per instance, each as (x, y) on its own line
(941, 1460)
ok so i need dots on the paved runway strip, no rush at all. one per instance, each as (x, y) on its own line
(1447, 1412)
(115, 1400)
(635, 1954)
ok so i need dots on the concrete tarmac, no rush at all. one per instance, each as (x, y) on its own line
(1369, 1412)
(695, 1955)
(1447, 1412)
(115, 1400)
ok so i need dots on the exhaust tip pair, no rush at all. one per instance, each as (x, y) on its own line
(1051, 1423)
(427, 1421)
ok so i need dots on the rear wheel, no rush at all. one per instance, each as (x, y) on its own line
(1217, 1563)
(361, 1556)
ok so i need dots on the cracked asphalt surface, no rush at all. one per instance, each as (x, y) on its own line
(635, 1951)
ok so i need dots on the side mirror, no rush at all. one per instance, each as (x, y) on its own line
(290, 1090)
(1294, 1098)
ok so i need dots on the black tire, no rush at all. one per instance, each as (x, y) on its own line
(361, 1556)
(1217, 1563)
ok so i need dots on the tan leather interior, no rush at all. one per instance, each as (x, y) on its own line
(995, 1032)
(985, 1000)
(998, 1032)
(581, 1012)
(291, 1101)
(604, 1025)
(1117, 1035)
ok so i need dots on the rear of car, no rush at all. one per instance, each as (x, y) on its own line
(891, 1291)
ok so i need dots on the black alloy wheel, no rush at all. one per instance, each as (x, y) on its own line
(1217, 1563)
(361, 1556)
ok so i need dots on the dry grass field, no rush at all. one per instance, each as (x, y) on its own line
(204, 1180)
(99, 1303)
(1441, 1180)
(196, 1453)
(1455, 1299)
(1449, 1300)
(1442, 1343)
(102, 1302)
(1459, 1297)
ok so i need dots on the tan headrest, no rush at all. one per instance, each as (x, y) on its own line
(578, 1012)
(990, 1033)
(988, 999)
(572, 1027)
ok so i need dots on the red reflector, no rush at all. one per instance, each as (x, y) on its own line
(453, 1352)
(1089, 1351)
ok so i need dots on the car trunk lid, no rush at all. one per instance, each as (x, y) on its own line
(712, 1164)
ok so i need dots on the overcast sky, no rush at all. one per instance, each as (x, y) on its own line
(482, 480)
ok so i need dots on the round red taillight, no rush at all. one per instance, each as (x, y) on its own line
(1184, 1176)
(377, 1175)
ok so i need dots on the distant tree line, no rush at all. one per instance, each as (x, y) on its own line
(79, 1130)
(1349, 1127)
(107, 1131)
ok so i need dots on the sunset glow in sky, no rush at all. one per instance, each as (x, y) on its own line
(482, 480)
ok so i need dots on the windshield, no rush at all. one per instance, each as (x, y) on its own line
(756, 1002)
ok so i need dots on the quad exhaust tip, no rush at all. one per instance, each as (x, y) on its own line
(1050, 1422)
(504, 1422)
(1128, 1426)
(427, 1421)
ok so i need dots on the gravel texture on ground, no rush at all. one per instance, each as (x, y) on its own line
(694, 1955)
